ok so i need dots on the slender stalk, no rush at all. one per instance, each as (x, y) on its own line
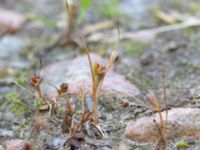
(161, 120)
(95, 110)
(94, 88)
(83, 42)
(39, 93)
(162, 127)
(164, 92)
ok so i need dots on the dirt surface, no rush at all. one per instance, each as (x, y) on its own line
(138, 66)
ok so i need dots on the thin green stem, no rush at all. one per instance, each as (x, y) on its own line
(83, 42)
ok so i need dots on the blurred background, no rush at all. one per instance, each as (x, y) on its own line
(153, 34)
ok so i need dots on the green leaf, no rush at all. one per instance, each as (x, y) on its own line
(83, 7)
(85, 4)
(37, 104)
(182, 144)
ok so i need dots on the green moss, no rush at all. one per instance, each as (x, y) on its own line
(22, 125)
(108, 106)
(135, 48)
(22, 76)
(194, 100)
(145, 81)
(14, 103)
(108, 8)
(37, 104)
(182, 74)
(11, 95)
(182, 144)
(44, 20)
(194, 6)
(117, 126)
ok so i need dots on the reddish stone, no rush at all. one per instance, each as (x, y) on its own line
(181, 122)
(17, 144)
(11, 21)
(77, 74)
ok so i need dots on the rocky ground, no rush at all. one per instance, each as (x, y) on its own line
(155, 35)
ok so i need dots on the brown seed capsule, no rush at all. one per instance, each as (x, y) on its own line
(125, 104)
(35, 80)
(63, 88)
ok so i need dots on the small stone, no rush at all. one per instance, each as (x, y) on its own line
(11, 21)
(10, 49)
(181, 122)
(146, 58)
(44, 107)
(191, 142)
(86, 147)
(1, 147)
(195, 91)
(10, 46)
(105, 148)
(172, 46)
(17, 144)
(57, 142)
(6, 133)
(125, 104)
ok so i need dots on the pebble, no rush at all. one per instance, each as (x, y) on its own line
(77, 74)
(146, 58)
(58, 142)
(10, 49)
(6, 133)
(11, 21)
(17, 144)
(11, 45)
(181, 122)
